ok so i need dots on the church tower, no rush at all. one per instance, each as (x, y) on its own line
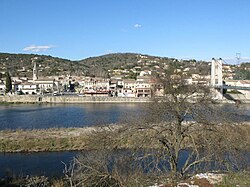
(35, 77)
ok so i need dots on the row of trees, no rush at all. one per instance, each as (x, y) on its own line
(8, 83)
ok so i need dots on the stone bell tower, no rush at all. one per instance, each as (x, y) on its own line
(35, 77)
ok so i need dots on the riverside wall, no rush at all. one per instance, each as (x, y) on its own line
(69, 99)
(93, 99)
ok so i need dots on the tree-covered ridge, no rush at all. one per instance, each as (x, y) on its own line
(21, 65)
(243, 72)
(102, 66)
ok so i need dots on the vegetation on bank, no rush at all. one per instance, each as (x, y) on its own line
(43, 140)
(236, 179)
(71, 139)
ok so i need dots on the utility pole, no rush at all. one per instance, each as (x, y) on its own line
(238, 57)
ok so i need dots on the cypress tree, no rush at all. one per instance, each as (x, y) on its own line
(8, 83)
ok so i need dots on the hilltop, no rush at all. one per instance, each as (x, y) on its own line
(21, 65)
(102, 66)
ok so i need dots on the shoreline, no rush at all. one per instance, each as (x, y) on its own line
(37, 99)
(52, 139)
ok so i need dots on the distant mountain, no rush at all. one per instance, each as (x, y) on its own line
(21, 64)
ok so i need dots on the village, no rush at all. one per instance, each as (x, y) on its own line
(144, 84)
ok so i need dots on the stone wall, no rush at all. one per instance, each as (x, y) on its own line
(69, 99)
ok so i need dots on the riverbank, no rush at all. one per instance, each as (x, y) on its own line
(75, 99)
(60, 139)
(70, 99)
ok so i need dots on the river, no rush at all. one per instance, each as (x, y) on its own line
(61, 115)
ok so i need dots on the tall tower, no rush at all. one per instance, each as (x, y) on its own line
(213, 72)
(216, 72)
(35, 77)
(238, 57)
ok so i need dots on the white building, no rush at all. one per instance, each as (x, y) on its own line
(27, 88)
(93, 86)
(129, 88)
(145, 72)
(143, 87)
(46, 85)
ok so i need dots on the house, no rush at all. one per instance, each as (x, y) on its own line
(96, 84)
(129, 84)
(102, 84)
(28, 88)
(46, 85)
(96, 87)
(128, 89)
(129, 92)
(145, 72)
(143, 88)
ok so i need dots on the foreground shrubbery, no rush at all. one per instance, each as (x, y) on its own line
(239, 179)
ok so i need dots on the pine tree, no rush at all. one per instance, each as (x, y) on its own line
(8, 83)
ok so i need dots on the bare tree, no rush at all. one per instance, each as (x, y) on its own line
(187, 129)
(183, 132)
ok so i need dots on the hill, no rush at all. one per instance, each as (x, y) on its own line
(21, 65)
(104, 66)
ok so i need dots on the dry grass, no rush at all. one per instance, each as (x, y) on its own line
(62, 139)
(240, 179)
(43, 140)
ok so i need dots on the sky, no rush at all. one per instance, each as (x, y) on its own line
(77, 29)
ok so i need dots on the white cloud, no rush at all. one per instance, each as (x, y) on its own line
(38, 48)
(137, 25)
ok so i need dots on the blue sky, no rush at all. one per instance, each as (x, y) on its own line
(76, 29)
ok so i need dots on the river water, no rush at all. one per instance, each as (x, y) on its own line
(63, 115)
(60, 115)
